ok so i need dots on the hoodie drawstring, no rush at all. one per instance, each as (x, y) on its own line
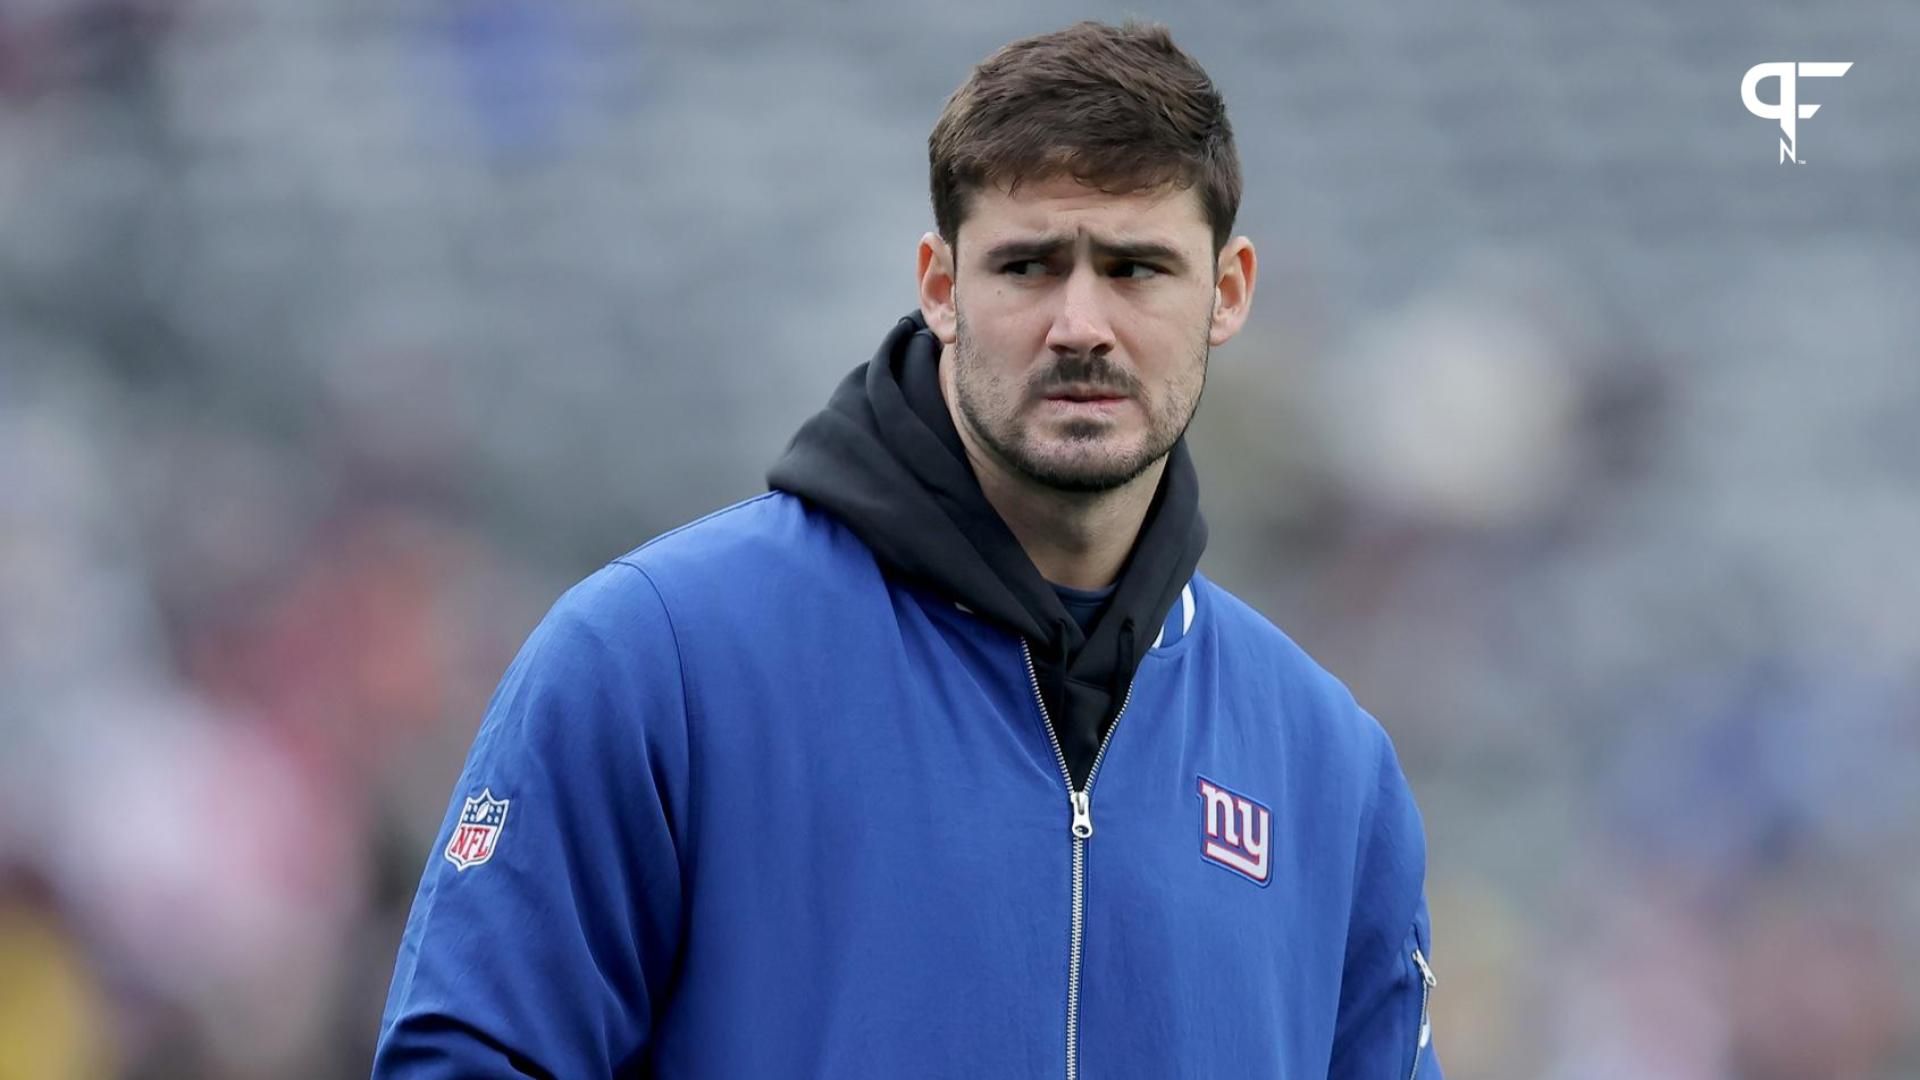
(1060, 667)
(1122, 666)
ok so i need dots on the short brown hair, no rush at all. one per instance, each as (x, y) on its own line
(1122, 109)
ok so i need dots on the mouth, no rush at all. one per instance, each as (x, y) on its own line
(1102, 406)
(1086, 396)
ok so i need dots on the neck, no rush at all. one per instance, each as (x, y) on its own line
(1076, 539)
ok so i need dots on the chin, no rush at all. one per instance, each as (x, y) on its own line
(1074, 465)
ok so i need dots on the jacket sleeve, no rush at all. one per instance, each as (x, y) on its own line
(541, 948)
(1384, 1029)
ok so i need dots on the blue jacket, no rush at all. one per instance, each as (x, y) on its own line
(746, 806)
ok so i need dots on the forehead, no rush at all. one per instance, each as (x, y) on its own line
(1062, 205)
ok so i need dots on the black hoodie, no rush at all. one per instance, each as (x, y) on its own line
(884, 458)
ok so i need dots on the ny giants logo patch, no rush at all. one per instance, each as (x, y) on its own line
(478, 833)
(1235, 832)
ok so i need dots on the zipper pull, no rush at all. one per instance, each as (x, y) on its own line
(1082, 814)
(1426, 973)
(1428, 982)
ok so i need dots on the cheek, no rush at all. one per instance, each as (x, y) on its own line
(1008, 319)
(1003, 344)
(989, 375)
(1171, 348)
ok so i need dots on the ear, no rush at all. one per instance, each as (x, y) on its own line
(1233, 289)
(936, 288)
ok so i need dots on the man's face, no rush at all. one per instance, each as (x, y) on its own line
(1081, 329)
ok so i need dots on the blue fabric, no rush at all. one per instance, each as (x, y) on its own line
(1083, 604)
(773, 814)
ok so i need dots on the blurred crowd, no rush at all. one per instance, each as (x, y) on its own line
(1579, 436)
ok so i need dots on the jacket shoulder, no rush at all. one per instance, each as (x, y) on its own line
(1251, 642)
(771, 561)
(750, 544)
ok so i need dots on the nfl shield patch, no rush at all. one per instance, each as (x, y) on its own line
(478, 831)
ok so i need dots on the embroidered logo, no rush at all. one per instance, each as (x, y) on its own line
(478, 832)
(1235, 831)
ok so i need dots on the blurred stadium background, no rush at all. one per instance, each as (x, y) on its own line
(1575, 432)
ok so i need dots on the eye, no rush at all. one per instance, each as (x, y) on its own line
(1134, 271)
(1024, 268)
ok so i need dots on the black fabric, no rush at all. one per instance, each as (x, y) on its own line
(884, 457)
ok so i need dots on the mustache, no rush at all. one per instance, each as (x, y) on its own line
(1089, 371)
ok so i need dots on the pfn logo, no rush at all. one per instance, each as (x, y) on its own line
(1236, 831)
(1787, 109)
(478, 831)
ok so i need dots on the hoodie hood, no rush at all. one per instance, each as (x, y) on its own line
(884, 458)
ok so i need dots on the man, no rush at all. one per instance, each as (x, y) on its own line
(939, 759)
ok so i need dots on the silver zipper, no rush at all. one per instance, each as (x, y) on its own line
(1427, 983)
(1080, 826)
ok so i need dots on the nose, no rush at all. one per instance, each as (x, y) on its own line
(1080, 325)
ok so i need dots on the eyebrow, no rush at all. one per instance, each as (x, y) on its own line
(1046, 247)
